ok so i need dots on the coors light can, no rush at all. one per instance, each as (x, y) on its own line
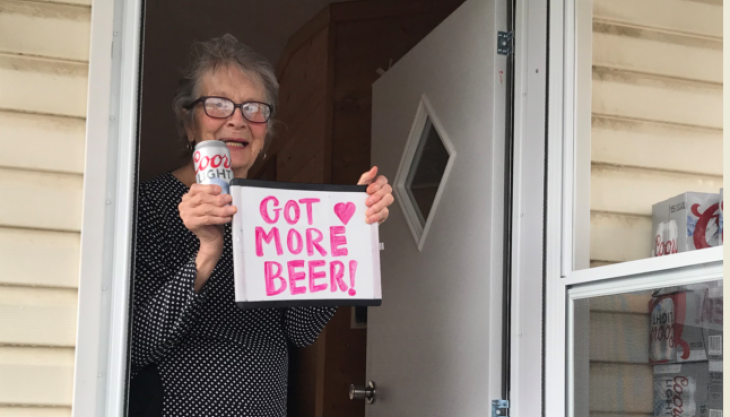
(661, 342)
(212, 161)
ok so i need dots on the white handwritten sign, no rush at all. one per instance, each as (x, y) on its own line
(303, 244)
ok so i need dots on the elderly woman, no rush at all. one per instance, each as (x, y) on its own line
(214, 359)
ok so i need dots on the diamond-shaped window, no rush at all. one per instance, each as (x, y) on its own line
(423, 171)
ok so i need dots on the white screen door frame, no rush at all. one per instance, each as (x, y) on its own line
(100, 376)
(528, 198)
(100, 371)
(567, 278)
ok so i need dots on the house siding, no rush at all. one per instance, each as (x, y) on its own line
(656, 107)
(44, 48)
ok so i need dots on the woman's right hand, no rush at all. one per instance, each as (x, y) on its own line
(204, 211)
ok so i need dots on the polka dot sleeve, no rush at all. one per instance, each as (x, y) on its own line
(303, 324)
(165, 303)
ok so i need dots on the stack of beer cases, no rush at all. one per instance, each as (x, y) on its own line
(687, 222)
(686, 350)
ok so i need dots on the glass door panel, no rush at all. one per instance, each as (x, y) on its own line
(649, 353)
(653, 133)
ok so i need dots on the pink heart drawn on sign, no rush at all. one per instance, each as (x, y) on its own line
(345, 211)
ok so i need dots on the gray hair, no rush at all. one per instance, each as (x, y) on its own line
(211, 55)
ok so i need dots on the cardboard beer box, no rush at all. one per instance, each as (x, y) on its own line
(686, 324)
(686, 222)
(688, 390)
(303, 245)
(722, 216)
(712, 322)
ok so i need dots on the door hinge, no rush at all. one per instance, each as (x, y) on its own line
(500, 408)
(504, 42)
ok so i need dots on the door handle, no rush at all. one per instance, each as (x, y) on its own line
(360, 392)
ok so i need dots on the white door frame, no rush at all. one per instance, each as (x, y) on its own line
(568, 207)
(108, 207)
(108, 214)
(528, 197)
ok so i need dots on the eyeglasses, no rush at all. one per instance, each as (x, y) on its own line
(223, 108)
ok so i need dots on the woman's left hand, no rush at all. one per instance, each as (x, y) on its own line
(381, 196)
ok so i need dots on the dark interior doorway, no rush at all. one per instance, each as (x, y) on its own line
(327, 54)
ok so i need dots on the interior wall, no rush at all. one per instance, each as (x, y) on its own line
(171, 27)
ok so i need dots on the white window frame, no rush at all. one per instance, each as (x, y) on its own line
(568, 277)
(425, 113)
(108, 206)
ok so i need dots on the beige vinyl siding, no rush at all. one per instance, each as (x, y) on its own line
(44, 47)
(620, 381)
(656, 105)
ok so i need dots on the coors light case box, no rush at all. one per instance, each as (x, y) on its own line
(687, 222)
(722, 216)
(688, 390)
(686, 324)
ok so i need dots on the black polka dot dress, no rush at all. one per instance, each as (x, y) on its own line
(214, 359)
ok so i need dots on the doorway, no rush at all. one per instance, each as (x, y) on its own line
(327, 55)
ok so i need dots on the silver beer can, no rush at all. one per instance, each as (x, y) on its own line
(662, 343)
(212, 161)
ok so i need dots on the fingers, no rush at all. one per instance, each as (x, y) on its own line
(205, 188)
(214, 211)
(206, 214)
(379, 194)
(379, 206)
(368, 177)
(204, 205)
(377, 185)
(379, 217)
(213, 220)
(200, 194)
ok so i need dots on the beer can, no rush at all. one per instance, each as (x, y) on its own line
(688, 390)
(659, 239)
(212, 161)
(670, 237)
(661, 342)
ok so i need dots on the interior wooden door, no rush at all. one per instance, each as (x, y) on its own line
(434, 346)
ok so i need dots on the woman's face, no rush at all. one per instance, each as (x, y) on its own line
(244, 139)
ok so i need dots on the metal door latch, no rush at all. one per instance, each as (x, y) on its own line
(504, 42)
(500, 408)
(367, 392)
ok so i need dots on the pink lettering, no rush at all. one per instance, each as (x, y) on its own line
(295, 276)
(353, 269)
(290, 238)
(287, 212)
(265, 212)
(316, 275)
(308, 202)
(262, 236)
(337, 271)
(270, 276)
(314, 242)
(337, 239)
